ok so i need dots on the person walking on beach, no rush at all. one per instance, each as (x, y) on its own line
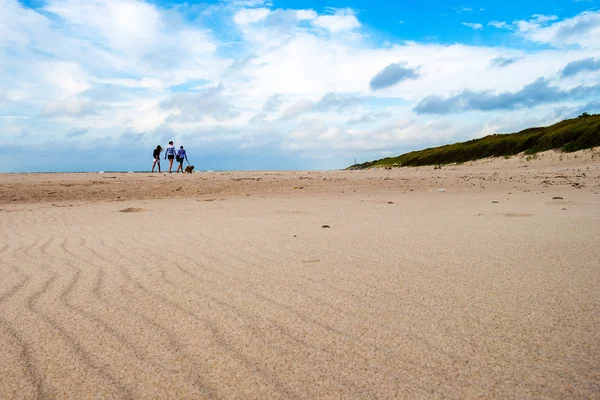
(156, 157)
(181, 155)
(170, 153)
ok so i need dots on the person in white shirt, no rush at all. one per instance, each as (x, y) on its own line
(170, 153)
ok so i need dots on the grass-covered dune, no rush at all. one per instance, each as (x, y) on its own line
(569, 135)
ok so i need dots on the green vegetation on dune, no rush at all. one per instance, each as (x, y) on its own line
(570, 135)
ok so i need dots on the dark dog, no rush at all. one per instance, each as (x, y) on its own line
(189, 169)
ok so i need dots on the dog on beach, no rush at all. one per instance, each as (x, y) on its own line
(189, 169)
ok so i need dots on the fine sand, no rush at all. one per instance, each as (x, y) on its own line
(228, 285)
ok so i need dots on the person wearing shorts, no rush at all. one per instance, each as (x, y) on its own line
(156, 157)
(170, 154)
(181, 155)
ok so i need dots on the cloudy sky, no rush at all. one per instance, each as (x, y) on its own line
(249, 84)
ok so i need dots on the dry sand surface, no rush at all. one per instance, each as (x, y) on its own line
(226, 285)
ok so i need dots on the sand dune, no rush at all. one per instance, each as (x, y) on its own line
(408, 294)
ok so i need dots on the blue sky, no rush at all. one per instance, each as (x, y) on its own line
(251, 84)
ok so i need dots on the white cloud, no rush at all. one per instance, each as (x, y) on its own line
(311, 128)
(73, 106)
(306, 15)
(542, 19)
(66, 78)
(300, 107)
(475, 26)
(251, 15)
(582, 30)
(499, 25)
(194, 107)
(273, 103)
(127, 26)
(259, 118)
(342, 20)
(133, 36)
(247, 3)
(464, 9)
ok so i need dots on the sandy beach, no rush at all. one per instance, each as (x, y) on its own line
(472, 281)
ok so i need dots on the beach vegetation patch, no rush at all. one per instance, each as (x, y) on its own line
(569, 135)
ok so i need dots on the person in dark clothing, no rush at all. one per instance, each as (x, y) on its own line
(181, 155)
(156, 157)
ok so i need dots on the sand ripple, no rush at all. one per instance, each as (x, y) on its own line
(427, 296)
